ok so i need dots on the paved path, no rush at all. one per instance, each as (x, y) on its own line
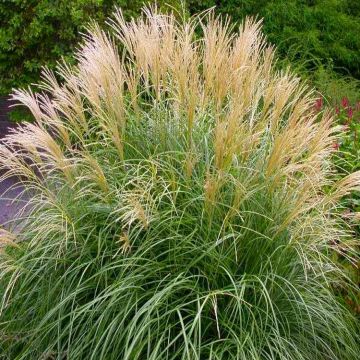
(8, 207)
(8, 192)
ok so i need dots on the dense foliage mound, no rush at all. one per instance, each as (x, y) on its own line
(183, 204)
(34, 33)
(315, 31)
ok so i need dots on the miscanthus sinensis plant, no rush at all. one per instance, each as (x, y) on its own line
(182, 204)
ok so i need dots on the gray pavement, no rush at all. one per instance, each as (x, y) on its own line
(9, 206)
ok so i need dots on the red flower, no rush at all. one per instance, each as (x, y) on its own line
(336, 146)
(337, 110)
(318, 104)
(345, 102)
(350, 112)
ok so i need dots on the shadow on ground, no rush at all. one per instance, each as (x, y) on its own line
(10, 189)
(10, 203)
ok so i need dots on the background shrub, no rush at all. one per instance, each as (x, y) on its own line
(324, 31)
(35, 33)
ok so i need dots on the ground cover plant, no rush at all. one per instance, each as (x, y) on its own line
(184, 204)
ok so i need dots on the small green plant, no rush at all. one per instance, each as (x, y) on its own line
(177, 205)
(20, 114)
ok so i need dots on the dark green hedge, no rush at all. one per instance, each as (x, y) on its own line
(314, 31)
(38, 32)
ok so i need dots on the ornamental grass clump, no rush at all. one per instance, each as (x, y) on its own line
(183, 204)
